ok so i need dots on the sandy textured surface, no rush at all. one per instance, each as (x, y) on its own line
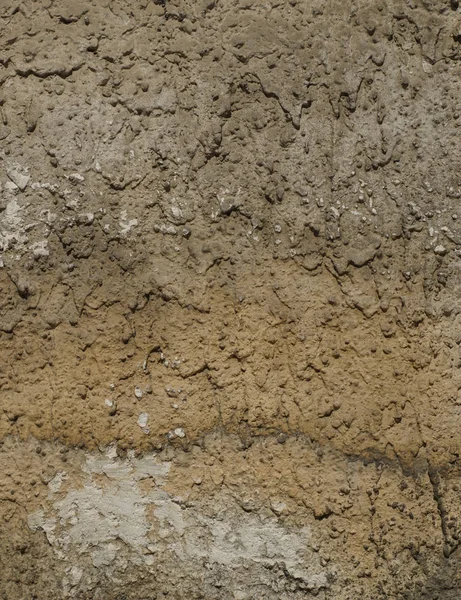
(230, 308)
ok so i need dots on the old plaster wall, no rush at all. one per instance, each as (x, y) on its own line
(230, 278)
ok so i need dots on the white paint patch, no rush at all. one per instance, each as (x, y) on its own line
(96, 515)
(121, 514)
(93, 517)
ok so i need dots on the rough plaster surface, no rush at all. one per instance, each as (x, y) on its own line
(230, 274)
(129, 519)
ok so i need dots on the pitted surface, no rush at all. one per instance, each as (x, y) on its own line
(230, 245)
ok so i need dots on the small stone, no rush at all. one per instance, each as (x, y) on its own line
(138, 392)
(227, 205)
(440, 250)
(173, 393)
(278, 507)
(11, 187)
(75, 178)
(179, 432)
(142, 420)
(18, 176)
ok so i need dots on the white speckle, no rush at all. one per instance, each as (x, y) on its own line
(179, 432)
(335, 211)
(427, 67)
(108, 402)
(72, 203)
(75, 575)
(142, 420)
(112, 451)
(55, 484)
(428, 186)
(40, 248)
(18, 175)
(172, 392)
(11, 187)
(278, 507)
(176, 212)
(125, 223)
(74, 177)
(166, 229)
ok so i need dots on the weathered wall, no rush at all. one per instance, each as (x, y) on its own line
(230, 318)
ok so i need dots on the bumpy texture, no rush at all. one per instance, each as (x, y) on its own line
(230, 324)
